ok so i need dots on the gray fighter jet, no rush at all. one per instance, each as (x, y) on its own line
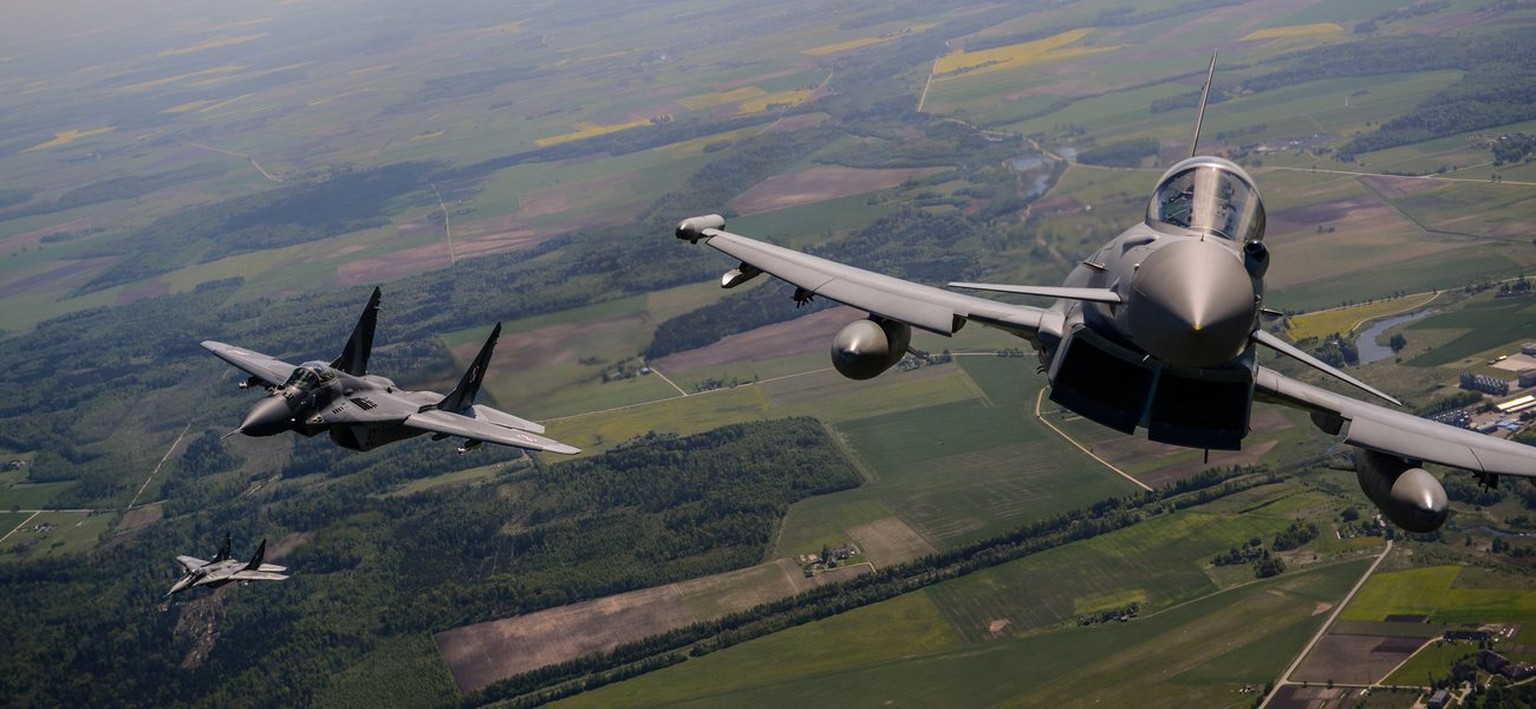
(222, 569)
(1158, 329)
(362, 411)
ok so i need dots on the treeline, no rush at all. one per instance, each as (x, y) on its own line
(343, 203)
(1126, 153)
(119, 188)
(379, 571)
(1498, 87)
(557, 681)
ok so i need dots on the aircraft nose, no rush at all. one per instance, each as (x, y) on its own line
(268, 417)
(1192, 304)
(181, 584)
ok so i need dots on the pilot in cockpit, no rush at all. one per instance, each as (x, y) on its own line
(309, 376)
(1208, 197)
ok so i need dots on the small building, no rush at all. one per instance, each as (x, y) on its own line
(1527, 378)
(1528, 348)
(1468, 634)
(1517, 405)
(1439, 700)
(1484, 383)
(1517, 671)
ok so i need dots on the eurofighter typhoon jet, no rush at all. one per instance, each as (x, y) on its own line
(362, 411)
(1158, 329)
(222, 569)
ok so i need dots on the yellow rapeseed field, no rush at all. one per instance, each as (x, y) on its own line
(762, 103)
(1050, 49)
(588, 130)
(866, 41)
(745, 93)
(214, 44)
(1294, 31)
(68, 137)
(1344, 320)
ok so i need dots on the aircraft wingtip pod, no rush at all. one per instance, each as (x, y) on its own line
(692, 229)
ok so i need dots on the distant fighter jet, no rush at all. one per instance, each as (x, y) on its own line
(222, 569)
(1158, 329)
(363, 411)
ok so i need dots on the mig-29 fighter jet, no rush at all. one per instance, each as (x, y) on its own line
(362, 411)
(222, 569)
(1158, 330)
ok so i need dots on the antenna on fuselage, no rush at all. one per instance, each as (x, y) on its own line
(1205, 94)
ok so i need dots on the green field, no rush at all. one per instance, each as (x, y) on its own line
(29, 496)
(900, 652)
(1162, 562)
(1441, 593)
(1481, 326)
(970, 469)
(57, 533)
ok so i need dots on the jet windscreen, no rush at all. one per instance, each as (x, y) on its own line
(308, 376)
(1208, 197)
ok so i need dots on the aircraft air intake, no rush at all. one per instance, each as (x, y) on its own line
(1192, 304)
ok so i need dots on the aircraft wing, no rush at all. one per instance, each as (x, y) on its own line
(451, 424)
(1398, 433)
(924, 307)
(190, 563)
(247, 575)
(268, 369)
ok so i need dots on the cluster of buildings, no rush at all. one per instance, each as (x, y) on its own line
(1484, 384)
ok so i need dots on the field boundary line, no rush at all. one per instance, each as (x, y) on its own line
(1285, 677)
(19, 526)
(1041, 397)
(163, 458)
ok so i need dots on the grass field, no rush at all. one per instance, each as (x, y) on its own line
(1435, 660)
(57, 533)
(1438, 592)
(1484, 326)
(969, 469)
(898, 652)
(28, 496)
(1162, 561)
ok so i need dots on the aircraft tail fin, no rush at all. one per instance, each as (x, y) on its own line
(224, 552)
(1205, 95)
(261, 555)
(354, 357)
(463, 395)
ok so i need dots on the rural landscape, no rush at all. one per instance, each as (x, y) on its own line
(744, 526)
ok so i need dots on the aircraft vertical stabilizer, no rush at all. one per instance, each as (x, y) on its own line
(224, 552)
(261, 555)
(354, 358)
(463, 396)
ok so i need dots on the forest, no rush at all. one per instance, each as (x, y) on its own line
(374, 572)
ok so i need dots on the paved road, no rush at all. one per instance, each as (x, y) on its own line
(1285, 678)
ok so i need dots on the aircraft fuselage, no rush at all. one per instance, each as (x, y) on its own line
(1174, 354)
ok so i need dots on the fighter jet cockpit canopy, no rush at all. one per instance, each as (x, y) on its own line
(310, 376)
(1210, 196)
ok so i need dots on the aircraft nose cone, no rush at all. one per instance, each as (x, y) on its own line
(268, 417)
(181, 584)
(1192, 304)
